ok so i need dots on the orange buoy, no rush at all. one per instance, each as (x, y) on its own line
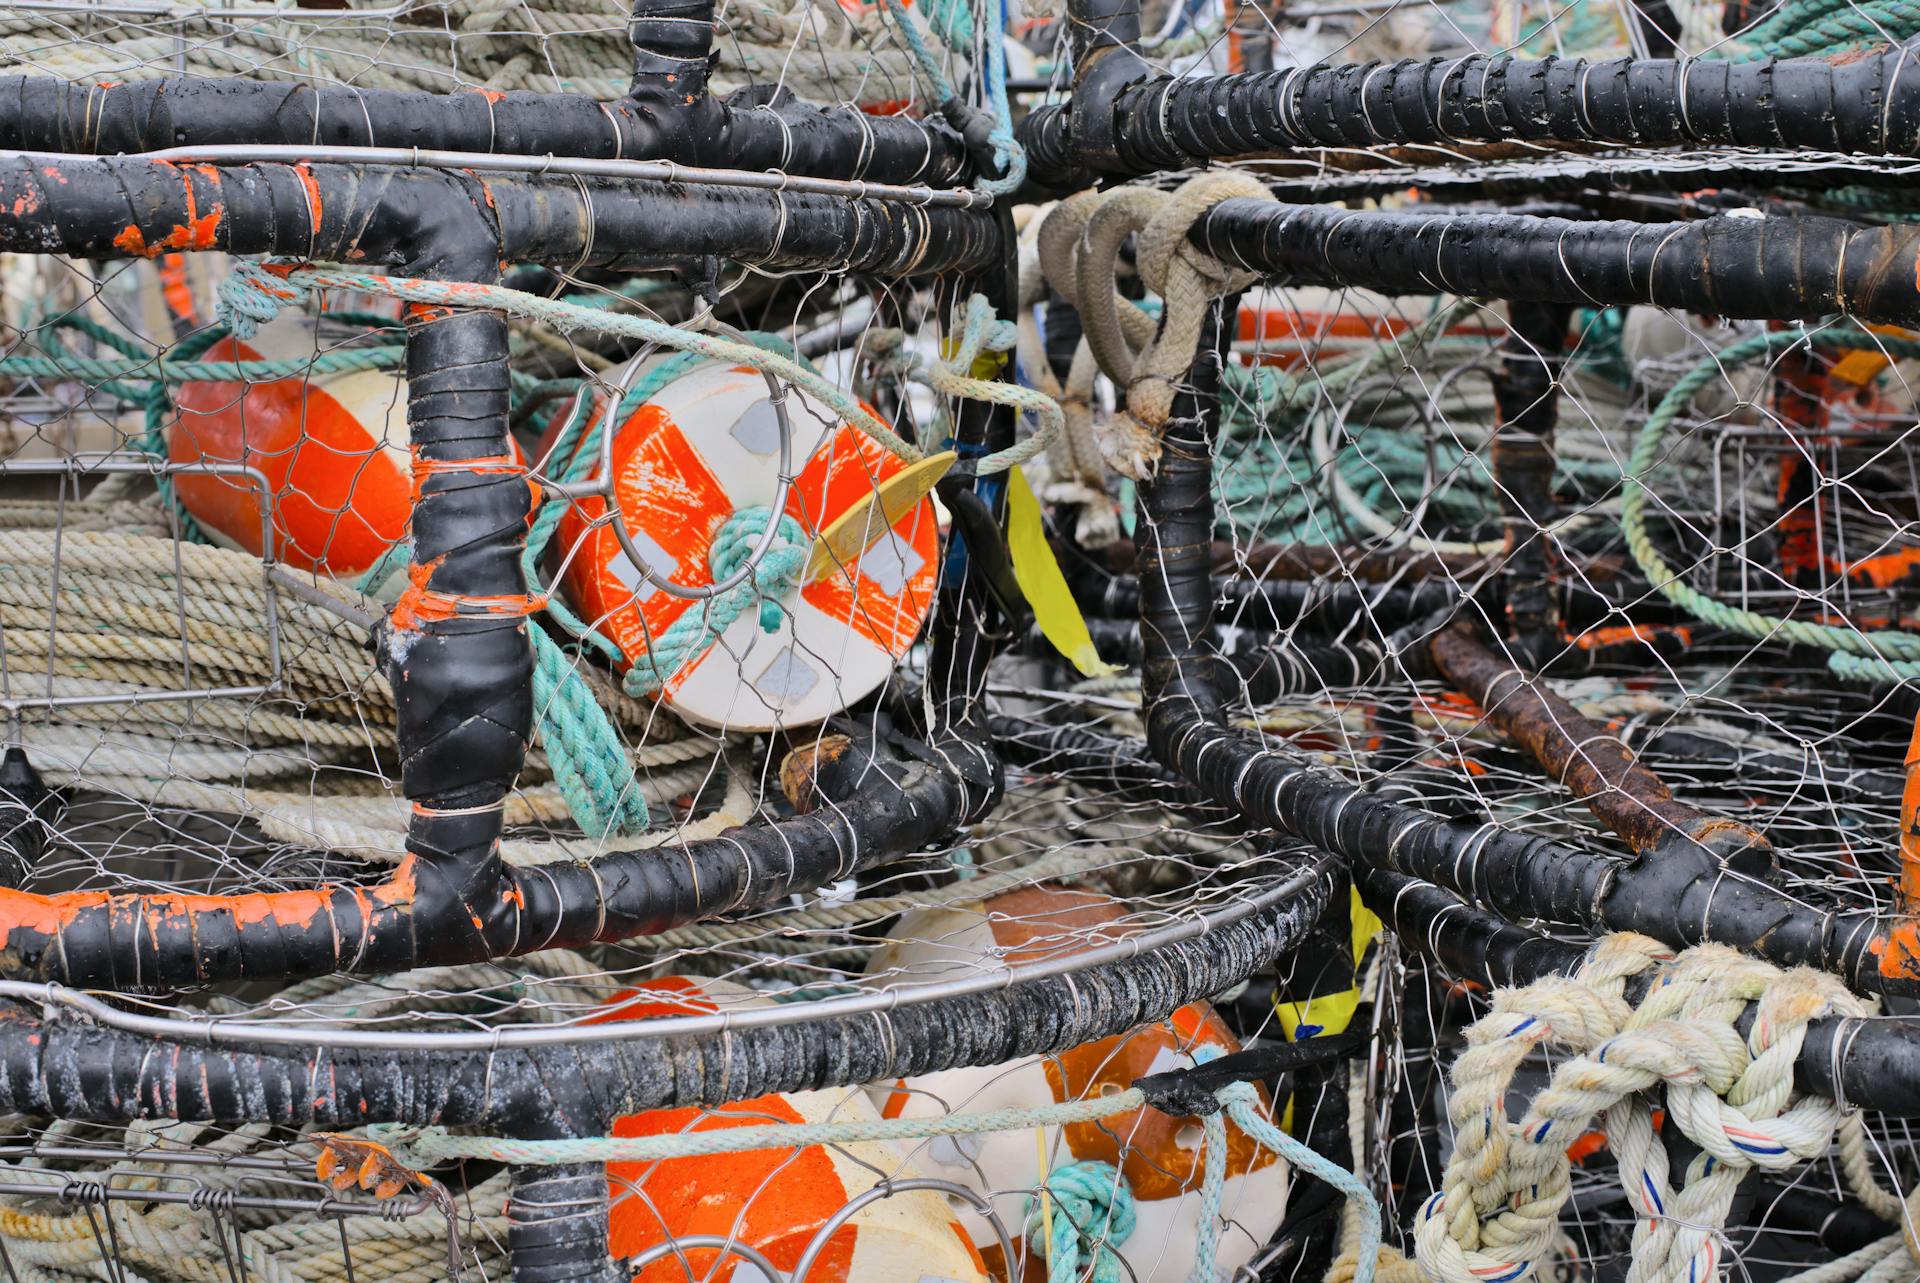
(773, 1201)
(332, 447)
(705, 446)
(1159, 1157)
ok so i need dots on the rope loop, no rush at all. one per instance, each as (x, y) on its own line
(1147, 359)
(254, 294)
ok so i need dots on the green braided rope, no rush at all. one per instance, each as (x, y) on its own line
(777, 575)
(1093, 1210)
(1804, 31)
(1889, 654)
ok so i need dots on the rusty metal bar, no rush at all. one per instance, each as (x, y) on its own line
(1585, 756)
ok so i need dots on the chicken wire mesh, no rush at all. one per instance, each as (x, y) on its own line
(192, 634)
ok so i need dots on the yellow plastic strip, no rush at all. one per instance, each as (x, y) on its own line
(1039, 577)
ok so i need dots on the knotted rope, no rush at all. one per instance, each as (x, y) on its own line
(1496, 1215)
(1075, 471)
(1093, 1214)
(776, 575)
(967, 374)
(1146, 360)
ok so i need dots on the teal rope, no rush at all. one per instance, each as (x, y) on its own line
(1887, 655)
(1007, 152)
(1829, 26)
(1012, 158)
(1093, 1213)
(777, 575)
(1242, 1106)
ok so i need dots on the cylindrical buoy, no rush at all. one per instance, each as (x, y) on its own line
(705, 446)
(775, 1202)
(1158, 1157)
(332, 447)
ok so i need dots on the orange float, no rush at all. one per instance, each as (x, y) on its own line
(773, 1201)
(332, 446)
(1160, 1157)
(703, 447)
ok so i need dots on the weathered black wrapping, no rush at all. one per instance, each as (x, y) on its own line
(1868, 105)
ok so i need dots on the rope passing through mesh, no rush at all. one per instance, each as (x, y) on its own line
(1094, 1209)
(775, 577)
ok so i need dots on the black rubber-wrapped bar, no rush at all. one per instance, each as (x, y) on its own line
(1267, 665)
(667, 115)
(1090, 759)
(557, 1224)
(1678, 892)
(72, 1069)
(1278, 604)
(127, 207)
(1526, 393)
(1872, 1063)
(1867, 104)
(1729, 265)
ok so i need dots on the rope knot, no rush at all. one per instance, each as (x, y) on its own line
(1093, 1210)
(776, 575)
(254, 294)
(1145, 358)
(1497, 1213)
(779, 569)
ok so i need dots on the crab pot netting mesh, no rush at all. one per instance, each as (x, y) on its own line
(207, 604)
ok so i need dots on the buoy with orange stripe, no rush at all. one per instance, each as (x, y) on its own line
(774, 1201)
(332, 446)
(1159, 1157)
(704, 446)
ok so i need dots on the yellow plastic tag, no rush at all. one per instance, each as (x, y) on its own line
(1863, 366)
(839, 546)
(1039, 577)
(1330, 1013)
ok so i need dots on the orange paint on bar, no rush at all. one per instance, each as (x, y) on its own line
(420, 605)
(174, 286)
(1910, 828)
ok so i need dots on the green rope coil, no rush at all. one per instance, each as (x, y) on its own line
(777, 575)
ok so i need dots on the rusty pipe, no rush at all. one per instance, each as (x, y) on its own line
(1587, 757)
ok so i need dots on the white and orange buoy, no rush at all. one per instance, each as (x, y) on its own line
(332, 447)
(773, 1201)
(703, 447)
(1158, 1157)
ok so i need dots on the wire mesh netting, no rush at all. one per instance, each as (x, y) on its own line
(732, 780)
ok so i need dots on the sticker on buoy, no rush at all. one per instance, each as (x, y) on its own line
(703, 447)
(774, 1201)
(332, 446)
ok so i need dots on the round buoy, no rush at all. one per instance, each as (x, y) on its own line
(332, 446)
(705, 446)
(1159, 1157)
(775, 1202)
